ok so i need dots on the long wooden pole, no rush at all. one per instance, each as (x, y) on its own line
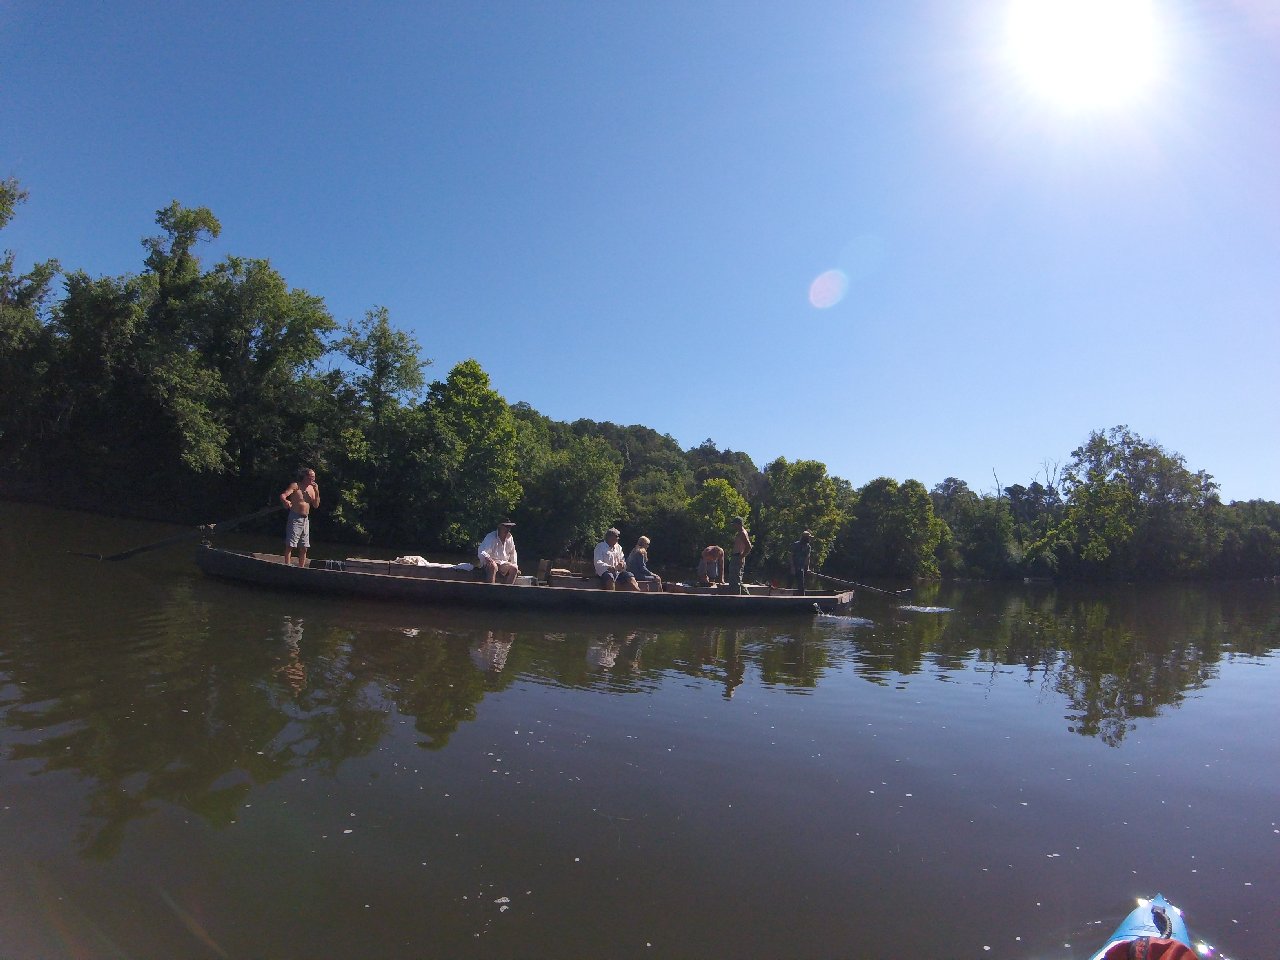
(190, 535)
(851, 583)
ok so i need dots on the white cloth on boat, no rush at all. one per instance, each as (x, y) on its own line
(414, 560)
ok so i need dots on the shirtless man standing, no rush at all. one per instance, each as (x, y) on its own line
(301, 497)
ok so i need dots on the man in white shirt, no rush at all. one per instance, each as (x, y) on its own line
(611, 565)
(497, 555)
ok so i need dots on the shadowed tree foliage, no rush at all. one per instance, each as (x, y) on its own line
(26, 346)
(571, 497)
(1250, 539)
(979, 540)
(892, 532)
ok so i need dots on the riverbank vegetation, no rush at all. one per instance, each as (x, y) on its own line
(190, 393)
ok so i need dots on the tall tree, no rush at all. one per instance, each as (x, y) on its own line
(798, 496)
(25, 345)
(892, 533)
(178, 395)
(379, 457)
(467, 470)
(388, 362)
(711, 510)
(1133, 509)
(262, 339)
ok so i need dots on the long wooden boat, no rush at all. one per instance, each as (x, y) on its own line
(1154, 930)
(383, 580)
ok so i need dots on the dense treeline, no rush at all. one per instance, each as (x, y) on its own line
(194, 392)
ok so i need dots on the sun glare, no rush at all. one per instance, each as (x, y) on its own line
(1086, 54)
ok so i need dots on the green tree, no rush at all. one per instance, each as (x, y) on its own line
(26, 347)
(388, 362)
(892, 533)
(1133, 509)
(1250, 540)
(711, 510)
(466, 472)
(980, 531)
(262, 339)
(571, 497)
(380, 459)
(178, 395)
(798, 496)
(708, 462)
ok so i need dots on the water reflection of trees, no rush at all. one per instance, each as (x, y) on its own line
(1115, 655)
(200, 712)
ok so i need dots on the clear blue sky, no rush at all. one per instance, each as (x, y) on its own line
(621, 209)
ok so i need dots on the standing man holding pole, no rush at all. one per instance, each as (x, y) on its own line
(801, 553)
(738, 554)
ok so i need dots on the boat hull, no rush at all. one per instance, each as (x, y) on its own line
(1141, 922)
(269, 571)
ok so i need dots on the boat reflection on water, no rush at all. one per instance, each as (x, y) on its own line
(489, 653)
(293, 671)
(718, 649)
(604, 652)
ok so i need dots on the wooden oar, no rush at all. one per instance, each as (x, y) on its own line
(190, 535)
(851, 583)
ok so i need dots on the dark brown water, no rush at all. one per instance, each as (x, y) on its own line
(191, 768)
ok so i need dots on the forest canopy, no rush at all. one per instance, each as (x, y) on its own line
(184, 391)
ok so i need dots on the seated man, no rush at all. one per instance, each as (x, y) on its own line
(711, 566)
(497, 556)
(611, 565)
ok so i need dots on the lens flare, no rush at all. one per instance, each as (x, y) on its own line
(828, 289)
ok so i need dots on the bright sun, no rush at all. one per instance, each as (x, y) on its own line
(1086, 54)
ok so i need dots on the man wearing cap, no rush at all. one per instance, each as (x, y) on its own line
(801, 552)
(611, 565)
(497, 556)
(738, 554)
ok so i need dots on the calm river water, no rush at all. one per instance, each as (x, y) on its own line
(192, 768)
